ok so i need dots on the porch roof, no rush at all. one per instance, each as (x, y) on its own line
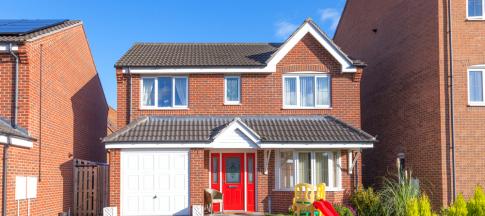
(7, 129)
(270, 129)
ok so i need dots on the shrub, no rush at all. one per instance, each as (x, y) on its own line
(412, 207)
(343, 210)
(396, 193)
(458, 208)
(476, 205)
(366, 202)
(425, 206)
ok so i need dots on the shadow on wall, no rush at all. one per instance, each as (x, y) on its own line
(90, 112)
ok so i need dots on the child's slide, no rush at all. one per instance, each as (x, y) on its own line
(325, 207)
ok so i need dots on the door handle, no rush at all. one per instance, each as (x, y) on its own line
(232, 186)
(154, 197)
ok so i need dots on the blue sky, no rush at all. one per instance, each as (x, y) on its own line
(113, 26)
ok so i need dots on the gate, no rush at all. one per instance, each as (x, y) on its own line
(90, 188)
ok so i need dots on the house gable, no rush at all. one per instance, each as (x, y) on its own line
(236, 135)
(310, 29)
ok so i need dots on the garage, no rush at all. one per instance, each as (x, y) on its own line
(154, 182)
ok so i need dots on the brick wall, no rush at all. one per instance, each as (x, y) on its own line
(260, 94)
(62, 105)
(405, 89)
(469, 49)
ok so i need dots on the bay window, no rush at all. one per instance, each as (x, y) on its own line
(475, 9)
(313, 167)
(476, 90)
(306, 91)
(164, 92)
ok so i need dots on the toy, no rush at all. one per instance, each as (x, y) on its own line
(306, 202)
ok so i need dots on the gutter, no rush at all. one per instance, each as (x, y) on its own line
(452, 112)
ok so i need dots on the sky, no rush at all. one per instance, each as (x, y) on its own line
(113, 26)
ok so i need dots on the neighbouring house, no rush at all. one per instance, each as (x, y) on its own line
(422, 92)
(52, 110)
(248, 119)
(112, 122)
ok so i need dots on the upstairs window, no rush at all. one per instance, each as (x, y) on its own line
(475, 9)
(232, 90)
(306, 91)
(164, 92)
(476, 92)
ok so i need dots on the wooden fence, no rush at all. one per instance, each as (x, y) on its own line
(90, 188)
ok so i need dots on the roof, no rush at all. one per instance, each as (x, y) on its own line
(281, 129)
(37, 33)
(190, 55)
(7, 129)
(198, 54)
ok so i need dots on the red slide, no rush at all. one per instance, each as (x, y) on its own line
(325, 207)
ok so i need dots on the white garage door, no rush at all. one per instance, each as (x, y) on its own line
(154, 182)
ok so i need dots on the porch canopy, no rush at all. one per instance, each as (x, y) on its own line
(14, 136)
(255, 132)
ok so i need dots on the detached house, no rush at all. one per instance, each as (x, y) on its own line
(248, 119)
(52, 109)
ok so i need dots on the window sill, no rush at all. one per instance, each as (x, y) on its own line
(475, 19)
(476, 104)
(164, 108)
(326, 190)
(307, 108)
(232, 104)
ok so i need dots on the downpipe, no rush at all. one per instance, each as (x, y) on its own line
(452, 111)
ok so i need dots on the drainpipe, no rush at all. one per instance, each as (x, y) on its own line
(130, 100)
(452, 112)
(14, 125)
(4, 176)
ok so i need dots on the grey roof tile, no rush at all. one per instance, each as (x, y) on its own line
(322, 129)
(197, 54)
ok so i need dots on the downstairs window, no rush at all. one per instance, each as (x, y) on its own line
(313, 167)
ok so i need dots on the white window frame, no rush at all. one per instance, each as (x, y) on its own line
(298, 102)
(335, 185)
(226, 101)
(475, 17)
(155, 106)
(476, 103)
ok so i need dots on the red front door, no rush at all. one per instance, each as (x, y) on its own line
(233, 181)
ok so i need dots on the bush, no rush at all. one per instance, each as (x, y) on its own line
(396, 193)
(343, 210)
(458, 208)
(366, 202)
(419, 207)
(476, 205)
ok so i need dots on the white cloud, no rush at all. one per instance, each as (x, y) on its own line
(330, 15)
(284, 29)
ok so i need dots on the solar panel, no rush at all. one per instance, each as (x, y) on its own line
(22, 27)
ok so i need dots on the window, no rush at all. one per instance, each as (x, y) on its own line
(313, 167)
(475, 87)
(250, 170)
(164, 92)
(232, 92)
(306, 91)
(215, 169)
(475, 9)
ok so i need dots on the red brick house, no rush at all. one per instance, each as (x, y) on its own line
(248, 119)
(52, 109)
(422, 93)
